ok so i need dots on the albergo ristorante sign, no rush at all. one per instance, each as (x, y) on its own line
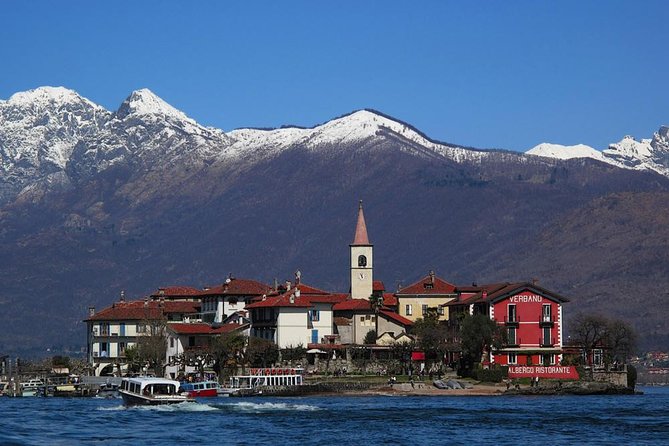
(549, 371)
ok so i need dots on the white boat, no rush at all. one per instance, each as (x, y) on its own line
(149, 391)
(31, 387)
(261, 378)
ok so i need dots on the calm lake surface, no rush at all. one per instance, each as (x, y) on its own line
(345, 420)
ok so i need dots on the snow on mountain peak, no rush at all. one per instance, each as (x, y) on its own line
(565, 152)
(45, 95)
(145, 102)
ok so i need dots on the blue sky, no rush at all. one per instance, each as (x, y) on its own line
(478, 73)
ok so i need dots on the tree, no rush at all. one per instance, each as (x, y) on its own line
(401, 352)
(132, 359)
(370, 337)
(294, 353)
(478, 334)
(197, 357)
(615, 337)
(152, 345)
(261, 352)
(228, 352)
(431, 338)
(621, 340)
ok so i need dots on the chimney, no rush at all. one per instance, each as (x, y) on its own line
(535, 281)
(297, 292)
(288, 285)
(122, 298)
(432, 277)
(298, 277)
(291, 299)
(276, 285)
(91, 311)
(146, 302)
(484, 294)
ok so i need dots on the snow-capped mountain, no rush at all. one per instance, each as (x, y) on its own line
(628, 153)
(51, 137)
(38, 132)
(565, 152)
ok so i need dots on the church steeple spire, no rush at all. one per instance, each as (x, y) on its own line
(361, 260)
(361, 237)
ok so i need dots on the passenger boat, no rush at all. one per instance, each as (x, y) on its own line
(264, 377)
(148, 391)
(31, 388)
(200, 388)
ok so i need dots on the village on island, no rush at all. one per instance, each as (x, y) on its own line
(244, 337)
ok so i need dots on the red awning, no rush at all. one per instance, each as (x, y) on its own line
(418, 356)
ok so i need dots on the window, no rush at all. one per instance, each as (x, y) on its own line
(121, 329)
(407, 310)
(547, 336)
(597, 357)
(440, 310)
(513, 358)
(548, 359)
(424, 309)
(141, 328)
(314, 336)
(512, 317)
(191, 341)
(362, 261)
(171, 342)
(121, 348)
(362, 319)
(315, 315)
(512, 336)
(104, 329)
(546, 313)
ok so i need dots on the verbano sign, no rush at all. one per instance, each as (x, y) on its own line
(551, 371)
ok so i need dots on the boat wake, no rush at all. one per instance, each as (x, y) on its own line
(190, 406)
(245, 406)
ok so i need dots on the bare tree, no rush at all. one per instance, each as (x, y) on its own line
(152, 345)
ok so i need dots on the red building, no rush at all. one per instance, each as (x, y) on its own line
(531, 316)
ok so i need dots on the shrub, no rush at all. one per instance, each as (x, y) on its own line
(493, 375)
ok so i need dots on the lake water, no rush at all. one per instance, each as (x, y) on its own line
(342, 420)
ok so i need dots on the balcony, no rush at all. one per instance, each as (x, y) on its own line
(515, 342)
(547, 320)
(547, 342)
(512, 320)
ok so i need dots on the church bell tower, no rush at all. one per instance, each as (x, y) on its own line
(361, 260)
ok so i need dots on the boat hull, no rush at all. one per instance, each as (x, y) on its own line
(131, 399)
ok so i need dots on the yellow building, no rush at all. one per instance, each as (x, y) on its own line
(428, 294)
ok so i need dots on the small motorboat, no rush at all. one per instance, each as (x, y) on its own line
(108, 390)
(200, 389)
(149, 391)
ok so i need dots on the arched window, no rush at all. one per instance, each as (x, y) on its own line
(362, 261)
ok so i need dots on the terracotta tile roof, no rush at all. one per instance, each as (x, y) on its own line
(308, 289)
(308, 300)
(425, 286)
(389, 300)
(396, 317)
(378, 285)
(204, 329)
(353, 304)
(342, 321)
(141, 310)
(498, 291)
(175, 291)
(237, 287)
